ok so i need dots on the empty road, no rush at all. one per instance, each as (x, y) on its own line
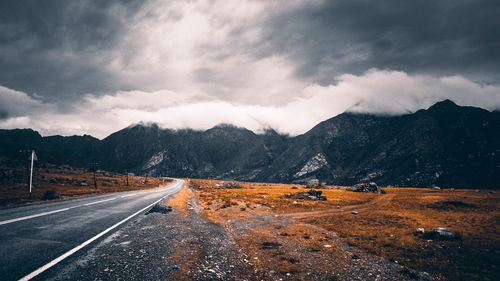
(37, 239)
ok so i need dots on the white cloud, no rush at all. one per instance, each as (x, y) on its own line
(15, 104)
(205, 47)
(376, 91)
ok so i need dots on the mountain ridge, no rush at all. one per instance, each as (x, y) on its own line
(446, 145)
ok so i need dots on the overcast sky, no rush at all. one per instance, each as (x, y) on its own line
(94, 67)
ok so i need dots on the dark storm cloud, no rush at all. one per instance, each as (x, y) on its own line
(433, 37)
(57, 48)
(3, 114)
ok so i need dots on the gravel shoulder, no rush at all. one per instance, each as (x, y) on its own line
(172, 246)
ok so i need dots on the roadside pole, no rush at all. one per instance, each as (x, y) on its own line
(33, 158)
(93, 166)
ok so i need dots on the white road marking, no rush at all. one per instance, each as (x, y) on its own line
(74, 250)
(96, 202)
(128, 195)
(33, 216)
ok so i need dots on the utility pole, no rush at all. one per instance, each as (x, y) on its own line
(126, 172)
(93, 167)
(26, 159)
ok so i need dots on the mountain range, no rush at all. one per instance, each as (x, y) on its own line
(445, 145)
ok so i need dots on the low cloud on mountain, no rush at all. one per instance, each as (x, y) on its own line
(376, 91)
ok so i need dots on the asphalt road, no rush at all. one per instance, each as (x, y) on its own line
(33, 239)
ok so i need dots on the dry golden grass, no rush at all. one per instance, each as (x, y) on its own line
(385, 224)
(180, 201)
(187, 256)
(15, 194)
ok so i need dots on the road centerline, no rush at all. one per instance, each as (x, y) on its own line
(35, 216)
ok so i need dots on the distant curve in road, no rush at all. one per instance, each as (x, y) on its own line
(33, 239)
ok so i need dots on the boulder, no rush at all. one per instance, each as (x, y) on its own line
(420, 230)
(366, 187)
(441, 233)
(232, 185)
(309, 195)
(160, 209)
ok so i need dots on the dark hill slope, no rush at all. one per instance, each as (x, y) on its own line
(446, 145)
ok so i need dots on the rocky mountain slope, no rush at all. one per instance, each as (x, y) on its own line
(446, 145)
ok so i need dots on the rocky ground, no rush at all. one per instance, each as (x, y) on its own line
(185, 244)
(172, 246)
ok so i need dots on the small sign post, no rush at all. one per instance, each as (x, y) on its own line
(33, 158)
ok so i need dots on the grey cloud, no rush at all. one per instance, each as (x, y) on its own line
(61, 49)
(58, 48)
(3, 114)
(435, 37)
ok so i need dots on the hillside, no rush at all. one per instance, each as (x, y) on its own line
(446, 145)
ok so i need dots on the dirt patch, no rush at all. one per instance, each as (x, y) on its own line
(384, 226)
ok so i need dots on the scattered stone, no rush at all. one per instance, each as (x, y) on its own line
(270, 245)
(232, 185)
(354, 212)
(366, 187)
(315, 183)
(160, 209)
(307, 195)
(441, 233)
(338, 207)
(327, 246)
(420, 230)
(50, 195)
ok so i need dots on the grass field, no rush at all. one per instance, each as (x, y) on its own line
(71, 182)
(385, 224)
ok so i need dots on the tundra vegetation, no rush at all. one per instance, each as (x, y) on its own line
(394, 224)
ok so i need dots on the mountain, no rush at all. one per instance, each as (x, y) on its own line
(446, 145)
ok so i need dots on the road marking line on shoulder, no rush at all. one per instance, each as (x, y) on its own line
(34, 216)
(74, 250)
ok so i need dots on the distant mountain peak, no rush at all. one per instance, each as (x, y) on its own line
(144, 124)
(443, 105)
(225, 126)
